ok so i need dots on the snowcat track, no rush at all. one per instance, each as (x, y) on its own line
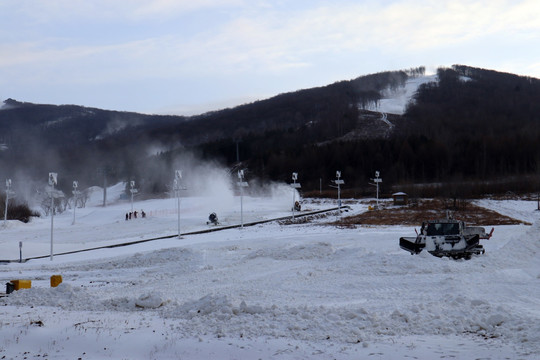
(473, 248)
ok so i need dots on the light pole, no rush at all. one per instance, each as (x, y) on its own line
(377, 181)
(177, 186)
(242, 184)
(8, 192)
(75, 197)
(133, 191)
(294, 186)
(53, 180)
(339, 182)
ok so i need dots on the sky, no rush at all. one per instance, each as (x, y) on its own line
(187, 57)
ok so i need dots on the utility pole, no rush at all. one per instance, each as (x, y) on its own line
(8, 192)
(338, 183)
(177, 186)
(242, 184)
(294, 186)
(133, 191)
(75, 197)
(104, 189)
(53, 180)
(377, 181)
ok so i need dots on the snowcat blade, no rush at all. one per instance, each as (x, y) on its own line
(472, 242)
(409, 244)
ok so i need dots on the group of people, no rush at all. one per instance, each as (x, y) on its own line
(133, 214)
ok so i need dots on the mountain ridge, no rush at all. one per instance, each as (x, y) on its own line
(343, 125)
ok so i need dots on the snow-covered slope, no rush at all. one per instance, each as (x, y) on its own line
(395, 101)
(302, 291)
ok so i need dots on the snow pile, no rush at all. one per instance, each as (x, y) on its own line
(211, 306)
(67, 297)
(454, 315)
(150, 301)
(64, 296)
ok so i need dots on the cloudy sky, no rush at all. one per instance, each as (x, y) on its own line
(192, 56)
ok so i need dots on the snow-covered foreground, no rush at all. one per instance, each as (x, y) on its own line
(301, 291)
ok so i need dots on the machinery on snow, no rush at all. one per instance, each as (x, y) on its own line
(212, 219)
(447, 237)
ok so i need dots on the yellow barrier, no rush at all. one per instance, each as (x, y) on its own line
(21, 284)
(56, 280)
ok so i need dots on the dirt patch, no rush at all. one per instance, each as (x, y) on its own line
(414, 214)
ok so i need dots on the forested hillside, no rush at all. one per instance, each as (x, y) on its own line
(472, 125)
(485, 123)
(90, 144)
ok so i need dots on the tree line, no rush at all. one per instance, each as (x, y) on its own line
(472, 125)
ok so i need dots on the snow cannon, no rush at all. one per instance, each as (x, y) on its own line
(448, 237)
(212, 219)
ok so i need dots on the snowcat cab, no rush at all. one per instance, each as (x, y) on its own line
(446, 237)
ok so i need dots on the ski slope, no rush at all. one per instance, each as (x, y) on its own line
(395, 101)
(272, 291)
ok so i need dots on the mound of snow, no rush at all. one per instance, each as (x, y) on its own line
(218, 306)
(150, 301)
(64, 296)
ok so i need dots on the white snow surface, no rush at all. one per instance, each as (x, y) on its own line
(271, 291)
(395, 101)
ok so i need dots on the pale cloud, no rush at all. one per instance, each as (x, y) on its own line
(50, 11)
(114, 41)
(282, 37)
(36, 53)
(168, 8)
(410, 25)
(280, 41)
(55, 10)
